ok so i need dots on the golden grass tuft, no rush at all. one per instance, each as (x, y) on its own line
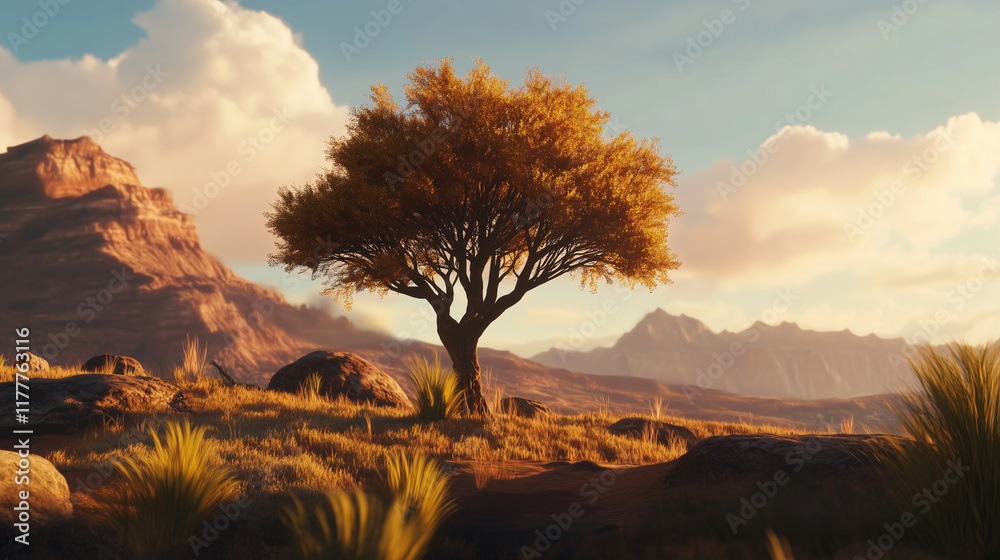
(165, 496)
(437, 394)
(955, 420)
(420, 484)
(354, 525)
(311, 385)
(193, 361)
(9, 371)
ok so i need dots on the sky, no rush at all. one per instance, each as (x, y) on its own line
(838, 159)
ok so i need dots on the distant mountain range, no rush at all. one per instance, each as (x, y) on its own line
(769, 361)
(94, 262)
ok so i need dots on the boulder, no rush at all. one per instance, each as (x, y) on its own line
(123, 365)
(731, 458)
(523, 407)
(343, 373)
(70, 403)
(48, 492)
(666, 434)
(35, 363)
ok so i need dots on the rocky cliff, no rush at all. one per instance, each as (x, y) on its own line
(94, 262)
(769, 361)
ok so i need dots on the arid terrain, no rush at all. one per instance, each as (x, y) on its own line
(708, 472)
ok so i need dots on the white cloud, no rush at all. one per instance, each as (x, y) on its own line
(822, 203)
(202, 92)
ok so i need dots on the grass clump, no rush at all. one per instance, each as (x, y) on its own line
(418, 482)
(311, 385)
(955, 421)
(193, 361)
(111, 365)
(166, 496)
(354, 525)
(437, 394)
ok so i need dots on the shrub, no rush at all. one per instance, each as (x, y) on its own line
(438, 396)
(357, 526)
(193, 361)
(166, 496)
(955, 421)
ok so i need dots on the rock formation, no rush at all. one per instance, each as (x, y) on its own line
(526, 408)
(663, 432)
(48, 492)
(121, 365)
(342, 373)
(720, 459)
(70, 403)
(95, 262)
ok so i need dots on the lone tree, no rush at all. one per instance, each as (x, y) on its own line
(478, 186)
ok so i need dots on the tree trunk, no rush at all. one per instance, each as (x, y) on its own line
(462, 347)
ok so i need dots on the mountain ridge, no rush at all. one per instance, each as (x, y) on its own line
(763, 360)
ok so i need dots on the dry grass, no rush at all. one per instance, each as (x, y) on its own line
(493, 390)
(956, 425)
(357, 526)
(8, 372)
(656, 408)
(847, 426)
(311, 385)
(437, 394)
(193, 362)
(168, 493)
(281, 447)
(293, 444)
(485, 472)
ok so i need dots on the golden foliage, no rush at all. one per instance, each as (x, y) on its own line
(474, 183)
